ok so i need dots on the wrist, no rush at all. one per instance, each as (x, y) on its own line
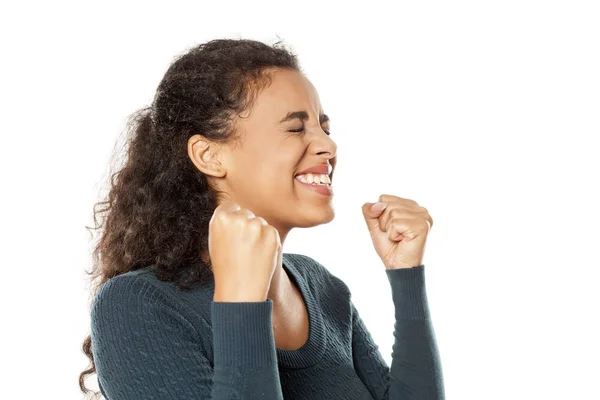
(237, 296)
(404, 266)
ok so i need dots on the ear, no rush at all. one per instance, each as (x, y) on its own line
(205, 156)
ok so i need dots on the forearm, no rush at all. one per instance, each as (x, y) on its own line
(416, 370)
(245, 359)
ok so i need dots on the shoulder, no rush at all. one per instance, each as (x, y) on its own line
(139, 331)
(138, 298)
(128, 286)
(315, 273)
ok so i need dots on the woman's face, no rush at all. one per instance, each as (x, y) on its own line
(260, 172)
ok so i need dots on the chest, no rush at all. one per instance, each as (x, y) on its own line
(291, 323)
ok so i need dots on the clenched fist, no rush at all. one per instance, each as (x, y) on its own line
(244, 251)
(398, 229)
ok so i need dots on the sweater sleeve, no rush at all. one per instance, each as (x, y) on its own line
(416, 371)
(145, 348)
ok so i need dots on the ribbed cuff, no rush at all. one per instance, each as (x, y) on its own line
(409, 292)
(243, 333)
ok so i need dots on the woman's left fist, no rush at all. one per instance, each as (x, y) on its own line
(398, 229)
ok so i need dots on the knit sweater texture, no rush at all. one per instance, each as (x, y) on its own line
(153, 341)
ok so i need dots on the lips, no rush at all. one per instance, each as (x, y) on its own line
(325, 190)
(326, 169)
(317, 169)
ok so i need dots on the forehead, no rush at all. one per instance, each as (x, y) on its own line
(289, 91)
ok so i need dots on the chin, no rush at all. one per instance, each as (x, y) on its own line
(314, 217)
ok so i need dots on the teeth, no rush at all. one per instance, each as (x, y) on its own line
(314, 179)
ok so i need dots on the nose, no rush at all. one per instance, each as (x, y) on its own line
(323, 144)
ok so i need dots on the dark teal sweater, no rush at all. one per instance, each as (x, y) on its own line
(151, 340)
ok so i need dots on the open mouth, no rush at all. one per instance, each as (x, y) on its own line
(320, 184)
(314, 179)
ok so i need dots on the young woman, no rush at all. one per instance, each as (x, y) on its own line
(195, 298)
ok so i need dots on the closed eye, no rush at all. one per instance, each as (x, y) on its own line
(302, 130)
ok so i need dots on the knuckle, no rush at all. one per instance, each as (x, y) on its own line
(248, 213)
(262, 221)
(255, 224)
(218, 216)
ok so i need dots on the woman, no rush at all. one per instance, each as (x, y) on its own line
(196, 299)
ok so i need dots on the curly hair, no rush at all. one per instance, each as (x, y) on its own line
(159, 204)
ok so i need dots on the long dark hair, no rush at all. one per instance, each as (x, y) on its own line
(159, 204)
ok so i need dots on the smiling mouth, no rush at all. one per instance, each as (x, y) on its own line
(324, 188)
(314, 179)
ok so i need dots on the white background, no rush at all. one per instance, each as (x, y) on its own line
(486, 113)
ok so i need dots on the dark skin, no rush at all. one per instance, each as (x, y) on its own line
(258, 174)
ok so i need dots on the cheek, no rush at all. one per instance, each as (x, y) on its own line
(276, 166)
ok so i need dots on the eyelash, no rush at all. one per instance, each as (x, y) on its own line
(301, 130)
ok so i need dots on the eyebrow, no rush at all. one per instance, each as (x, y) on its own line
(302, 115)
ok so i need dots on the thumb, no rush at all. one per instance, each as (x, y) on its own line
(372, 212)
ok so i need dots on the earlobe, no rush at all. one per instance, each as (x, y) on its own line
(205, 156)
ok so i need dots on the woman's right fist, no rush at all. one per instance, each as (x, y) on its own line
(244, 251)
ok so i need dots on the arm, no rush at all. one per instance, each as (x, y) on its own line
(144, 347)
(416, 371)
